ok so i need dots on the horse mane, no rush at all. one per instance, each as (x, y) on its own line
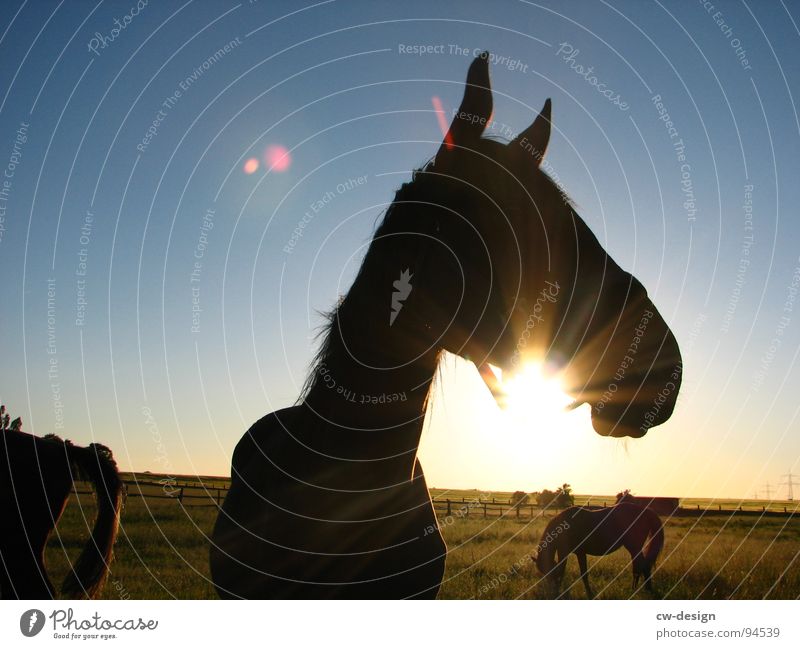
(331, 344)
(546, 549)
(425, 186)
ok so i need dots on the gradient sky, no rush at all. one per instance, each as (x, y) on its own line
(334, 84)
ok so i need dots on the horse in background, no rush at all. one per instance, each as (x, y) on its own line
(600, 531)
(36, 477)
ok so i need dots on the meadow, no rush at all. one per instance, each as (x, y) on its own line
(162, 552)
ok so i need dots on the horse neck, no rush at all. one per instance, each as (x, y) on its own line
(371, 382)
(546, 550)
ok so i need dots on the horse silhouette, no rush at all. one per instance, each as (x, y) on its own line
(599, 531)
(36, 476)
(327, 497)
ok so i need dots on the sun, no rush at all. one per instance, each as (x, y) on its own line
(536, 415)
(532, 394)
(510, 430)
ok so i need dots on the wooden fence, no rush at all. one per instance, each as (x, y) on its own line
(194, 494)
(186, 493)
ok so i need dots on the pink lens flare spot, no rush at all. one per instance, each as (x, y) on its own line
(277, 157)
(250, 166)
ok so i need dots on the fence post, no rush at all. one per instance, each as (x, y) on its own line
(531, 511)
(448, 507)
(180, 496)
(484, 510)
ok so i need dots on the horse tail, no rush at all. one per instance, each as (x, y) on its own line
(96, 464)
(656, 541)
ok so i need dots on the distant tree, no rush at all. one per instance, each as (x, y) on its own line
(561, 498)
(564, 497)
(545, 498)
(518, 499)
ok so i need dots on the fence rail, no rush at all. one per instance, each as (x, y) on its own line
(188, 493)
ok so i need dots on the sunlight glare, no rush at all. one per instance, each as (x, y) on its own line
(532, 396)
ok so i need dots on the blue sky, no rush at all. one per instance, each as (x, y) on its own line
(333, 83)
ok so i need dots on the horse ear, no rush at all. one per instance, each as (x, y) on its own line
(534, 139)
(476, 108)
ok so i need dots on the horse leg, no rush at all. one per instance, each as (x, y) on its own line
(47, 589)
(635, 546)
(585, 574)
(647, 571)
(558, 571)
(6, 590)
(23, 574)
(636, 567)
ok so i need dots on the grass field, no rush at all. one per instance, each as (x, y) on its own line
(162, 552)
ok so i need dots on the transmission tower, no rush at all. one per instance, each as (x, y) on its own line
(790, 482)
(768, 489)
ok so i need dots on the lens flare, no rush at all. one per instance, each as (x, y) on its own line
(440, 116)
(250, 166)
(277, 157)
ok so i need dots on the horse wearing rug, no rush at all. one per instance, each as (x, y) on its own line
(482, 255)
(36, 477)
(599, 531)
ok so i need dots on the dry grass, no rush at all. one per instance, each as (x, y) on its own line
(162, 552)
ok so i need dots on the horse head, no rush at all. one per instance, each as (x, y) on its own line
(512, 274)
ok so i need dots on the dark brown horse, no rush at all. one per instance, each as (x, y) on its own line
(599, 531)
(36, 476)
(482, 255)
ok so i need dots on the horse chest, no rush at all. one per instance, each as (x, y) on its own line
(298, 527)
